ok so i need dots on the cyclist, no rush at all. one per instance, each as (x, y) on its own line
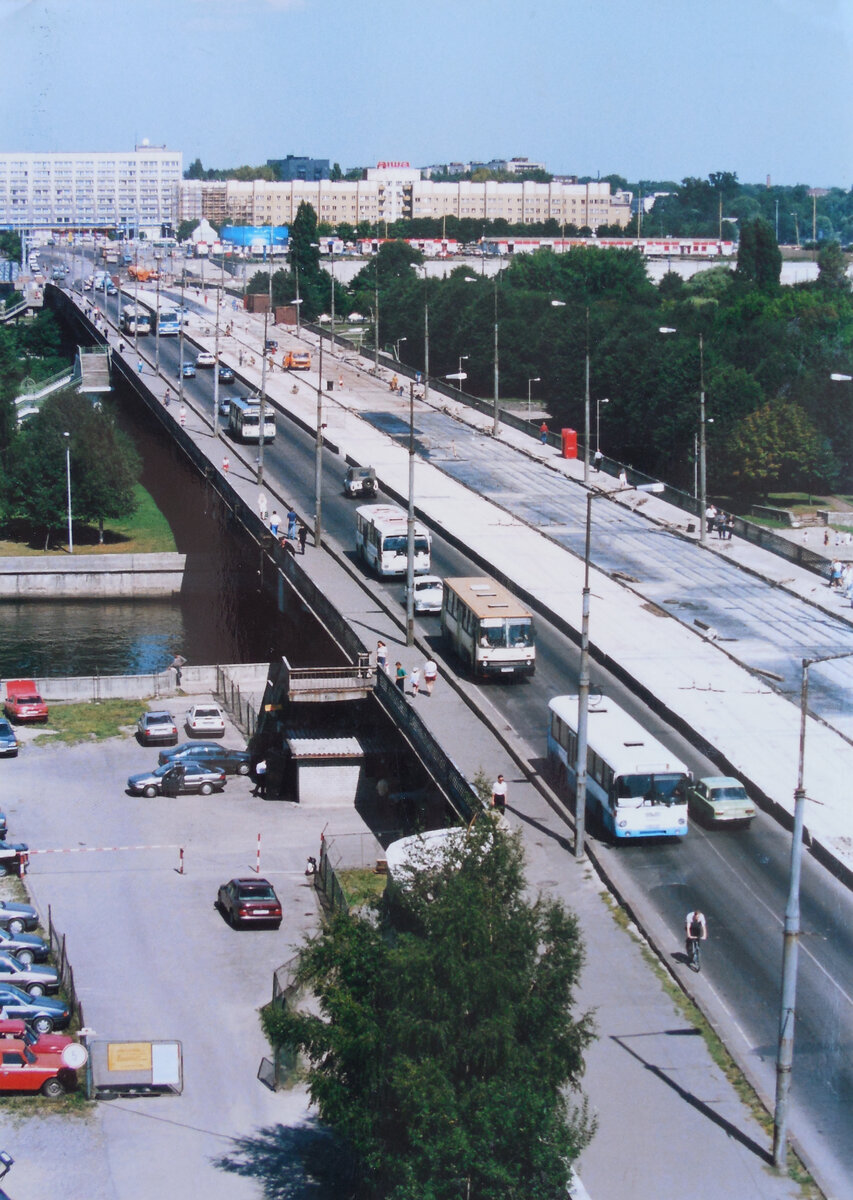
(695, 931)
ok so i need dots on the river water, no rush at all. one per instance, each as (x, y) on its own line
(236, 622)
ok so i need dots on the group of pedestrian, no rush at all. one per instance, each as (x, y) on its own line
(429, 672)
(295, 532)
(841, 578)
(719, 522)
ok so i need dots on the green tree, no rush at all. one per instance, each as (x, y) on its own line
(759, 259)
(832, 275)
(775, 446)
(186, 229)
(445, 1047)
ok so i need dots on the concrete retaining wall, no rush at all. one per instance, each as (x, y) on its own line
(92, 576)
(195, 681)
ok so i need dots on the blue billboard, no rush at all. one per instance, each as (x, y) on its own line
(255, 235)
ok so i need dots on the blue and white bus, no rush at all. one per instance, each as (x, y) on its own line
(382, 539)
(635, 787)
(168, 318)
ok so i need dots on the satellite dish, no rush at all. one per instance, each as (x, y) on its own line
(75, 1056)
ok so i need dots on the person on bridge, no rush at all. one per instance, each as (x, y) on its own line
(291, 523)
(430, 675)
(499, 791)
(695, 928)
(302, 538)
(543, 433)
(381, 656)
(275, 521)
(262, 506)
(400, 678)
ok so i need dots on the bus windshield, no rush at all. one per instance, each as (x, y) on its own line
(398, 544)
(654, 789)
(504, 632)
(251, 420)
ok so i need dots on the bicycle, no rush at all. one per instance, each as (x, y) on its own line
(692, 946)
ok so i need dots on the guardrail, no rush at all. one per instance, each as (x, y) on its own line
(243, 712)
(59, 953)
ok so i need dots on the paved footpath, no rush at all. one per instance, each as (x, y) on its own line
(669, 1122)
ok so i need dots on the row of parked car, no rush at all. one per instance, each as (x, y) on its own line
(193, 767)
(34, 1057)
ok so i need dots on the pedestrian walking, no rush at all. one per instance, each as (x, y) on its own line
(292, 520)
(623, 478)
(225, 465)
(415, 677)
(826, 537)
(597, 460)
(121, 346)
(139, 367)
(400, 678)
(275, 521)
(543, 433)
(302, 537)
(381, 656)
(340, 383)
(260, 788)
(499, 791)
(430, 674)
(182, 414)
(240, 358)
(262, 506)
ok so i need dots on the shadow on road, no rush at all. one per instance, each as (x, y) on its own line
(305, 1163)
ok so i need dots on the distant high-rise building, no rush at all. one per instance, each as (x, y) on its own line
(90, 189)
(294, 168)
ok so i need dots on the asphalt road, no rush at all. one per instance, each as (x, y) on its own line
(738, 878)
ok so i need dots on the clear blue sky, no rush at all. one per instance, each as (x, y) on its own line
(654, 90)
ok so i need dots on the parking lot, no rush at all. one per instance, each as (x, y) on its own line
(153, 959)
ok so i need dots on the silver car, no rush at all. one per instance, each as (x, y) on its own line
(178, 779)
(157, 726)
(34, 978)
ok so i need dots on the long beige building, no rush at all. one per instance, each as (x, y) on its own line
(400, 193)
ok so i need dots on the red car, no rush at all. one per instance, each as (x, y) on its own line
(39, 1043)
(23, 1070)
(23, 703)
(249, 902)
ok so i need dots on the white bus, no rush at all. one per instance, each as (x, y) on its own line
(381, 539)
(635, 787)
(135, 320)
(168, 318)
(244, 420)
(488, 627)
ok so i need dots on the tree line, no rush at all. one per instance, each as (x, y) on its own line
(768, 351)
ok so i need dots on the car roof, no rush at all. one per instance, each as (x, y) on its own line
(716, 781)
(253, 880)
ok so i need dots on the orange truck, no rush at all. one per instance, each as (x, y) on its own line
(140, 273)
(298, 360)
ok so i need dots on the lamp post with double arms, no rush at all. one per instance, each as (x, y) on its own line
(703, 421)
(67, 437)
(583, 680)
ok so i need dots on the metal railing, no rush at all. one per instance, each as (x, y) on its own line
(242, 711)
(59, 953)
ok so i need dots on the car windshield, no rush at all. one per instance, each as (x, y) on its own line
(207, 712)
(159, 719)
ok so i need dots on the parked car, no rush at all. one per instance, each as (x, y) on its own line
(24, 1070)
(429, 590)
(8, 741)
(26, 947)
(41, 1043)
(42, 1013)
(157, 726)
(205, 359)
(23, 703)
(34, 978)
(270, 344)
(720, 800)
(3, 826)
(17, 917)
(178, 779)
(249, 902)
(13, 857)
(211, 754)
(226, 375)
(205, 718)
(187, 369)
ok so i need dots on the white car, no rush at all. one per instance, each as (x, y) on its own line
(428, 594)
(207, 720)
(205, 359)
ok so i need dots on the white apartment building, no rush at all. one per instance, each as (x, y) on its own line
(90, 190)
(391, 193)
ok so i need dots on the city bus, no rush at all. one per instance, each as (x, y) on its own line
(381, 539)
(168, 318)
(488, 628)
(134, 320)
(244, 420)
(635, 787)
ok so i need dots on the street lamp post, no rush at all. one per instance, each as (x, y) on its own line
(181, 341)
(410, 527)
(332, 252)
(157, 320)
(67, 437)
(397, 347)
(375, 319)
(598, 404)
(535, 379)
(583, 679)
(216, 374)
(318, 458)
(496, 416)
(460, 376)
(790, 951)
(703, 449)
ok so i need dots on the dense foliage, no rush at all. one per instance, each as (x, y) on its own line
(442, 1047)
(762, 343)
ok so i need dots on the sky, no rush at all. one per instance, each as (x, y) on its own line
(659, 90)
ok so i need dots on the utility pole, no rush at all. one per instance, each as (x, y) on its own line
(318, 458)
(586, 409)
(180, 341)
(410, 527)
(375, 318)
(703, 487)
(216, 370)
(496, 424)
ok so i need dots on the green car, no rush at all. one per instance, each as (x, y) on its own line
(720, 800)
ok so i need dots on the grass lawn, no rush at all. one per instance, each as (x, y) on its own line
(361, 884)
(145, 532)
(89, 721)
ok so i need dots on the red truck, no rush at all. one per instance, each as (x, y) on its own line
(23, 703)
